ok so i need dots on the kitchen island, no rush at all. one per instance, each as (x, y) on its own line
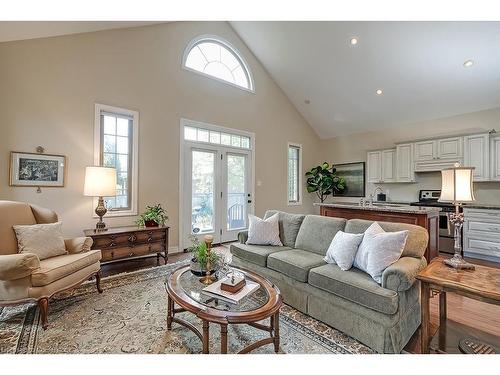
(426, 217)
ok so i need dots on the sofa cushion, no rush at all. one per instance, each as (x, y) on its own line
(263, 232)
(416, 242)
(289, 225)
(56, 268)
(355, 286)
(317, 232)
(44, 240)
(256, 254)
(294, 263)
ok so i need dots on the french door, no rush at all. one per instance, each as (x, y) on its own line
(217, 194)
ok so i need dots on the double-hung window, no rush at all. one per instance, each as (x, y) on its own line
(294, 174)
(115, 145)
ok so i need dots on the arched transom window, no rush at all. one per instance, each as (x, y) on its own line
(216, 58)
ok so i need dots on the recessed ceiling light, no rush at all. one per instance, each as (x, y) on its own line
(354, 41)
(379, 92)
(468, 63)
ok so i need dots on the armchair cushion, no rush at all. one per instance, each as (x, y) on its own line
(78, 244)
(400, 275)
(55, 268)
(44, 240)
(17, 266)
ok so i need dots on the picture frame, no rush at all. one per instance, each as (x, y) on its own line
(354, 175)
(38, 170)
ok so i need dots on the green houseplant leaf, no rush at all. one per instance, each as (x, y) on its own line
(323, 181)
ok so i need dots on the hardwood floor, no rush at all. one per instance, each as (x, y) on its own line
(477, 314)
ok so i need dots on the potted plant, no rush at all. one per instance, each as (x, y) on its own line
(199, 259)
(323, 181)
(153, 216)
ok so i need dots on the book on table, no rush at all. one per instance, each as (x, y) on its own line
(214, 290)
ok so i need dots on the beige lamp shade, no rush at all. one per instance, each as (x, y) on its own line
(100, 182)
(456, 185)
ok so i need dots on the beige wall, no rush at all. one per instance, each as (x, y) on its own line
(354, 147)
(48, 88)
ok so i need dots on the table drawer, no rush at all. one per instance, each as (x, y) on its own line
(128, 239)
(132, 251)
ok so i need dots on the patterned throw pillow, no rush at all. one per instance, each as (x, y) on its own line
(378, 250)
(44, 240)
(343, 249)
(264, 232)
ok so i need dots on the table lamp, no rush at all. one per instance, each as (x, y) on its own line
(100, 182)
(457, 188)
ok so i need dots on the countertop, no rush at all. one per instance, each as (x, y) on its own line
(386, 207)
(483, 206)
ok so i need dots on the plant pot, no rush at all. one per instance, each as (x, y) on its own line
(197, 270)
(150, 223)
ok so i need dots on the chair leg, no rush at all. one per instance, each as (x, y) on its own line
(43, 305)
(98, 281)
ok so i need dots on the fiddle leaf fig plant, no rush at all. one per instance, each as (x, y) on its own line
(323, 181)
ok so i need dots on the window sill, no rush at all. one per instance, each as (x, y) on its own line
(299, 203)
(118, 214)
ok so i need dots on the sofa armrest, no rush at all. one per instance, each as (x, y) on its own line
(400, 276)
(17, 266)
(243, 236)
(78, 244)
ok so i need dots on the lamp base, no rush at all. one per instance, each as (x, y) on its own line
(100, 211)
(459, 263)
(208, 279)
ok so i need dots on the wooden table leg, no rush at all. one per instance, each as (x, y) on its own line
(170, 313)
(424, 327)
(223, 338)
(276, 324)
(205, 336)
(442, 308)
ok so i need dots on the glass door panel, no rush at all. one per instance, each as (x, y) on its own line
(203, 179)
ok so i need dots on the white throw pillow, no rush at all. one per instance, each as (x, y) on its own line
(343, 249)
(264, 232)
(44, 240)
(378, 250)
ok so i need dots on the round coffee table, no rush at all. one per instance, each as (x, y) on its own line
(185, 289)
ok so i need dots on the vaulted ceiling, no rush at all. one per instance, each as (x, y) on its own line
(417, 65)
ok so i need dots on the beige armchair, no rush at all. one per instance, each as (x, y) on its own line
(25, 278)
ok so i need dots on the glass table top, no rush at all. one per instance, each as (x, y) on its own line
(192, 286)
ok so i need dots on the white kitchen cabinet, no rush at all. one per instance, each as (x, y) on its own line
(374, 166)
(425, 150)
(495, 158)
(404, 163)
(482, 234)
(389, 165)
(449, 148)
(477, 155)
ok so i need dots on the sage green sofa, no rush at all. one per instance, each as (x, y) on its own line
(383, 317)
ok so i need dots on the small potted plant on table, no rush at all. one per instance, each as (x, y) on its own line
(199, 259)
(154, 216)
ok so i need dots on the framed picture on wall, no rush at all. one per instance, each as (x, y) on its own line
(354, 175)
(30, 169)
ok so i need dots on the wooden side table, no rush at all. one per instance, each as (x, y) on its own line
(122, 243)
(482, 284)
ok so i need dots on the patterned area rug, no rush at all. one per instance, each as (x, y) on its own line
(130, 317)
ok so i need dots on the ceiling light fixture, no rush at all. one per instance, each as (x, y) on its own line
(468, 63)
(379, 92)
(354, 41)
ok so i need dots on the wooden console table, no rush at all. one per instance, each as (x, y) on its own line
(121, 243)
(482, 284)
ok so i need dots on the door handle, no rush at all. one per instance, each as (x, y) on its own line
(249, 201)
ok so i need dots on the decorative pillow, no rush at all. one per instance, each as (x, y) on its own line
(343, 249)
(264, 232)
(378, 250)
(44, 240)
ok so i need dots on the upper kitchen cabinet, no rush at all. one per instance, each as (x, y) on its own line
(495, 157)
(382, 166)
(438, 154)
(374, 166)
(477, 155)
(404, 163)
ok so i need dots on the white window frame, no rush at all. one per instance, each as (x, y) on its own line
(217, 39)
(135, 154)
(186, 143)
(299, 175)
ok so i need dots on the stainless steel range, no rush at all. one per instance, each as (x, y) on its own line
(429, 198)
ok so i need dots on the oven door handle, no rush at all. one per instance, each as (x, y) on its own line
(449, 223)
